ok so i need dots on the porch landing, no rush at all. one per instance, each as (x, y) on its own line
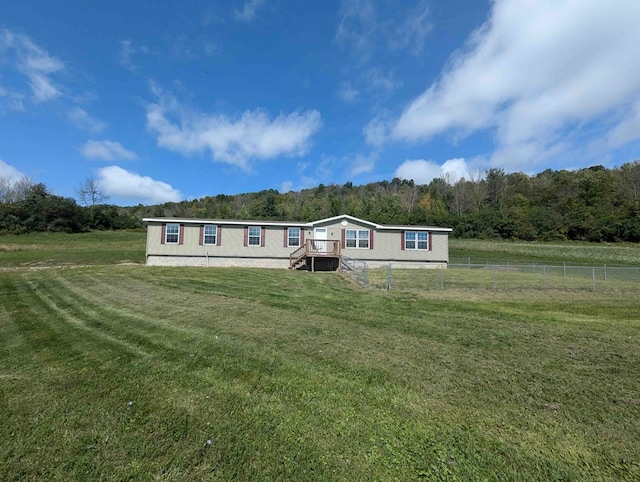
(316, 255)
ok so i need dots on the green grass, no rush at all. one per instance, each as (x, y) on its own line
(618, 280)
(114, 371)
(126, 372)
(39, 250)
(482, 251)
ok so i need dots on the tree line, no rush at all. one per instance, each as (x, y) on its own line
(27, 207)
(593, 204)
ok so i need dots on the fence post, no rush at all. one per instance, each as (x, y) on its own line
(389, 277)
(365, 276)
(493, 277)
(441, 279)
(564, 269)
(593, 279)
(544, 277)
(605, 272)
(469, 262)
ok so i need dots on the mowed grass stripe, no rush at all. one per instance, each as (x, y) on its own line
(123, 316)
(461, 365)
(82, 317)
(426, 350)
(39, 327)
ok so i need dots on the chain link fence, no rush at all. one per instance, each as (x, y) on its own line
(496, 277)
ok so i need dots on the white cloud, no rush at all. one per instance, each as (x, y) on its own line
(457, 168)
(363, 164)
(625, 130)
(248, 12)
(423, 172)
(357, 25)
(347, 93)
(236, 141)
(376, 80)
(83, 120)
(9, 172)
(376, 132)
(118, 182)
(286, 186)
(13, 99)
(361, 28)
(210, 48)
(33, 62)
(537, 72)
(411, 33)
(127, 52)
(106, 150)
(181, 49)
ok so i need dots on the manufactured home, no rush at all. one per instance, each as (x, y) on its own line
(316, 245)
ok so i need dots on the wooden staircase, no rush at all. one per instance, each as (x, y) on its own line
(321, 252)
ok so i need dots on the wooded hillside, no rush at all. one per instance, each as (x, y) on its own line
(593, 204)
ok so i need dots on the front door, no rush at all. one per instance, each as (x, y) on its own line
(320, 240)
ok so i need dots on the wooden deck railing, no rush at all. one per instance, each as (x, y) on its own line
(315, 247)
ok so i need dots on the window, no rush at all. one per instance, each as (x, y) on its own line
(357, 238)
(293, 236)
(172, 234)
(210, 234)
(416, 240)
(254, 236)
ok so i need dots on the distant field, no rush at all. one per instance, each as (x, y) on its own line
(59, 249)
(115, 371)
(460, 250)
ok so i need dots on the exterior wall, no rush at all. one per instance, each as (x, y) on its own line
(232, 243)
(387, 245)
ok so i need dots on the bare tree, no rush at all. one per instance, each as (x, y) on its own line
(409, 193)
(631, 179)
(90, 193)
(478, 188)
(5, 189)
(14, 190)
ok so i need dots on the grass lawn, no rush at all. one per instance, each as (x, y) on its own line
(117, 372)
(38, 250)
(495, 251)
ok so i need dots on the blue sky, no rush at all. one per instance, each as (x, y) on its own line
(164, 101)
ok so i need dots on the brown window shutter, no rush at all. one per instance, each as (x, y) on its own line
(286, 237)
(371, 239)
(343, 240)
(246, 235)
(402, 240)
(201, 235)
(430, 241)
(164, 234)
(219, 237)
(181, 238)
(262, 234)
